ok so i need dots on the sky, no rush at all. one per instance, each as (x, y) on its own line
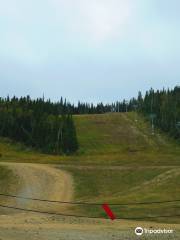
(98, 50)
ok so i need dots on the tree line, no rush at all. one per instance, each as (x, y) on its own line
(38, 124)
(163, 107)
(49, 126)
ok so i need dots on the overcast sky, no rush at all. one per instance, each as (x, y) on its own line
(89, 50)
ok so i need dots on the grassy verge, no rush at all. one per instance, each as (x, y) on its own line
(6, 179)
(8, 185)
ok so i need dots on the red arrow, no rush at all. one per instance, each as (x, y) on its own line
(109, 212)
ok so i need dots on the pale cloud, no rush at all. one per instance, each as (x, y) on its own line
(96, 20)
(8, 9)
(88, 49)
(18, 48)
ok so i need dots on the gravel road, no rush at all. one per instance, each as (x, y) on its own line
(48, 182)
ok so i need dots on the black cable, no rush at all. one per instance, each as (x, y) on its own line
(89, 203)
(45, 212)
(93, 217)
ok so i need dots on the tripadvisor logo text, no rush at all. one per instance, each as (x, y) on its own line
(139, 231)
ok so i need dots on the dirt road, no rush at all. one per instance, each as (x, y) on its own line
(40, 181)
(48, 182)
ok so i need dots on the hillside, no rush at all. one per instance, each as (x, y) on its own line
(126, 137)
(119, 161)
(126, 163)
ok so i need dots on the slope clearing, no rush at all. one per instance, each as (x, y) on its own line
(126, 163)
(118, 161)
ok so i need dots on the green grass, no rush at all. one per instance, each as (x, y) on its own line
(8, 185)
(111, 183)
(107, 139)
(151, 166)
(118, 161)
(118, 133)
(6, 179)
(128, 185)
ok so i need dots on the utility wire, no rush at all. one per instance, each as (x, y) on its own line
(89, 203)
(82, 216)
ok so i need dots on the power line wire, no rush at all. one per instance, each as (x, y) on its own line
(92, 217)
(89, 203)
